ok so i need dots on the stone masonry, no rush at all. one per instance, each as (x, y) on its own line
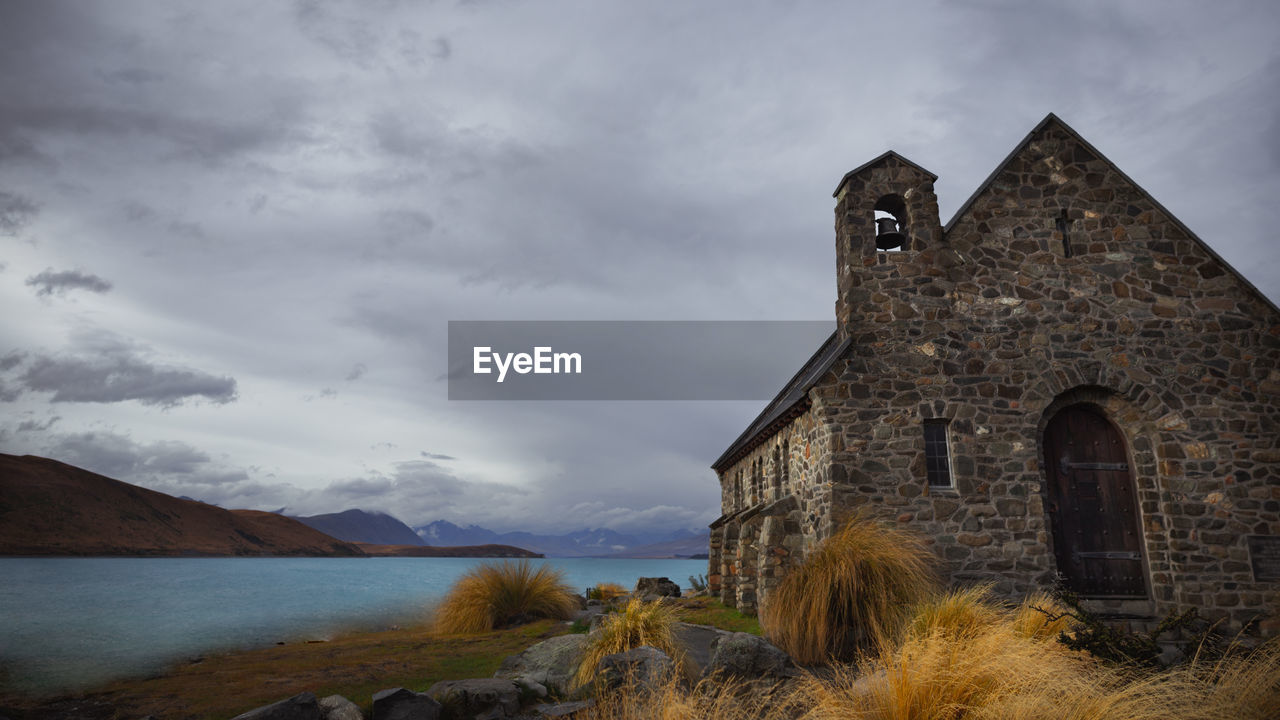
(1059, 285)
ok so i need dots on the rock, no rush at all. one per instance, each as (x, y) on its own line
(588, 616)
(648, 588)
(551, 663)
(646, 667)
(476, 699)
(299, 707)
(699, 643)
(563, 710)
(401, 704)
(748, 656)
(336, 707)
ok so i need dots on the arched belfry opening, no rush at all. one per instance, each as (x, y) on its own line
(891, 224)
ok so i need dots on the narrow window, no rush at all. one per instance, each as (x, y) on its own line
(777, 472)
(1064, 233)
(786, 464)
(937, 455)
(737, 491)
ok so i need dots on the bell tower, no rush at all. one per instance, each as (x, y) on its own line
(887, 228)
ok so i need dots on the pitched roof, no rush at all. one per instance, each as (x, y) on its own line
(875, 160)
(1054, 119)
(792, 400)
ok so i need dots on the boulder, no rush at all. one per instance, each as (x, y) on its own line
(651, 588)
(645, 667)
(299, 707)
(476, 699)
(748, 656)
(551, 664)
(336, 707)
(699, 643)
(401, 704)
(589, 616)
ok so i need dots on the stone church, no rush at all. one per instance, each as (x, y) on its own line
(1063, 384)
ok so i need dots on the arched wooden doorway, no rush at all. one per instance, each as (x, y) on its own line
(1092, 505)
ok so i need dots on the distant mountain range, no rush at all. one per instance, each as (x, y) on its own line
(600, 542)
(51, 508)
(360, 526)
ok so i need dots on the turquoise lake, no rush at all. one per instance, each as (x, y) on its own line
(71, 623)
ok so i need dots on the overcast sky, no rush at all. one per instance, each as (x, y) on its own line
(232, 234)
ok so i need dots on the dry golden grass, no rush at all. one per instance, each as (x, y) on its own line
(638, 623)
(1041, 617)
(1244, 688)
(850, 592)
(500, 594)
(710, 699)
(604, 592)
(962, 612)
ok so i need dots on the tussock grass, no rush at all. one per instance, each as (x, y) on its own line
(636, 624)
(501, 594)
(710, 699)
(852, 591)
(1244, 687)
(1040, 616)
(606, 591)
(962, 612)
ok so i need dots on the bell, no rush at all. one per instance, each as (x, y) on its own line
(887, 235)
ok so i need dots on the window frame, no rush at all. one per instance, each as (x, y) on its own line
(937, 453)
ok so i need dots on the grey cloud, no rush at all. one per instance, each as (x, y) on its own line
(50, 282)
(169, 466)
(436, 456)
(120, 457)
(105, 369)
(30, 426)
(16, 212)
(357, 371)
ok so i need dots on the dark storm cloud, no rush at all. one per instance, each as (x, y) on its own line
(16, 212)
(50, 282)
(105, 369)
(120, 457)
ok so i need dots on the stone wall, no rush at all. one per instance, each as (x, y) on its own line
(1060, 283)
(772, 510)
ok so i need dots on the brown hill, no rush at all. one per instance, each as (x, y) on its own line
(51, 508)
(485, 551)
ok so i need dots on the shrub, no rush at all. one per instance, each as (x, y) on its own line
(852, 591)
(638, 623)
(604, 592)
(1040, 616)
(1244, 687)
(961, 612)
(502, 594)
(709, 699)
(698, 583)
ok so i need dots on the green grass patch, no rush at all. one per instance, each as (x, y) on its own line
(705, 611)
(354, 666)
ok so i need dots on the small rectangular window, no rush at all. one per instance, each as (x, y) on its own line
(937, 454)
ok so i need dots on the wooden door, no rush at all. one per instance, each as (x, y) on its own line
(1092, 505)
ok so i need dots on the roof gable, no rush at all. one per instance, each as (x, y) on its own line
(1054, 121)
(879, 159)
